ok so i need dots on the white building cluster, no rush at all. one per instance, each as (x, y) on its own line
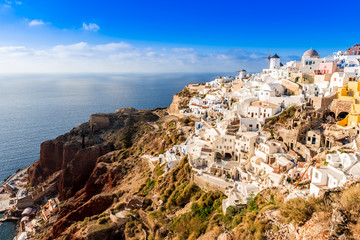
(229, 143)
(341, 168)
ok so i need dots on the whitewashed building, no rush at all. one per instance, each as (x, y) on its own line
(339, 80)
(262, 110)
(341, 168)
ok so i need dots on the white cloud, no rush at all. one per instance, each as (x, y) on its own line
(182, 50)
(10, 2)
(111, 47)
(123, 57)
(90, 27)
(36, 22)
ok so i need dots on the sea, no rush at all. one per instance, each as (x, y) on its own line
(35, 108)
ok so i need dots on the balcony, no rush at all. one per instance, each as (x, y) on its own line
(321, 72)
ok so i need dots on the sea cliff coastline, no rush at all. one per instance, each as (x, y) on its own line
(67, 162)
(13, 190)
(202, 168)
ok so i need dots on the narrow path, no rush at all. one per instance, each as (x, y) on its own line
(152, 166)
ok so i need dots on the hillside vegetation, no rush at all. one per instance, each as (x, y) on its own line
(126, 198)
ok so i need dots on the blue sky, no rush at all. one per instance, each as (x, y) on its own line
(168, 36)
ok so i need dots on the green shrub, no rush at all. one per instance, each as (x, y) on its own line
(103, 220)
(236, 220)
(187, 224)
(147, 187)
(167, 192)
(147, 202)
(252, 204)
(159, 169)
(159, 216)
(350, 199)
(189, 191)
(232, 211)
(251, 227)
(299, 210)
(207, 204)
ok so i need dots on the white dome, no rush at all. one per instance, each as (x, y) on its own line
(311, 53)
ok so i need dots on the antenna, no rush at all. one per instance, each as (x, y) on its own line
(269, 54)
(268, 57)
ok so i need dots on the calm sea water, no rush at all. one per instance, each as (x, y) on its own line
(36, 108)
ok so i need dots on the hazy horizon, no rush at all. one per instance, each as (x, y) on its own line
(162, 36)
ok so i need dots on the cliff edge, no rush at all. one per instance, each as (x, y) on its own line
(181, 100)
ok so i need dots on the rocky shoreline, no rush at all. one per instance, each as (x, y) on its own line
(9, 196)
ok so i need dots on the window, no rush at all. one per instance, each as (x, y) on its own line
(316, 175)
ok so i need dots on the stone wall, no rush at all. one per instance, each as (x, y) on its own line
(99, 121)
(337, 106)
(293, 87)
(303, 151)
(207, 185)
(321, 103)
(198, 87)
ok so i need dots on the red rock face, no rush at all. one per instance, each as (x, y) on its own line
(94, 206)
(77, 171)
(68, 153)
(75, 163)
(96, 196)
(50, 161)
(86, 172)
(51, 156)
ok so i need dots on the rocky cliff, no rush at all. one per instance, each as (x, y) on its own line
(181, 100)
(108, 191)
(74, 154)
(98, 163)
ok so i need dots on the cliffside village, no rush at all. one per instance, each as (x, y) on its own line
(290, 124)
(294, 126)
